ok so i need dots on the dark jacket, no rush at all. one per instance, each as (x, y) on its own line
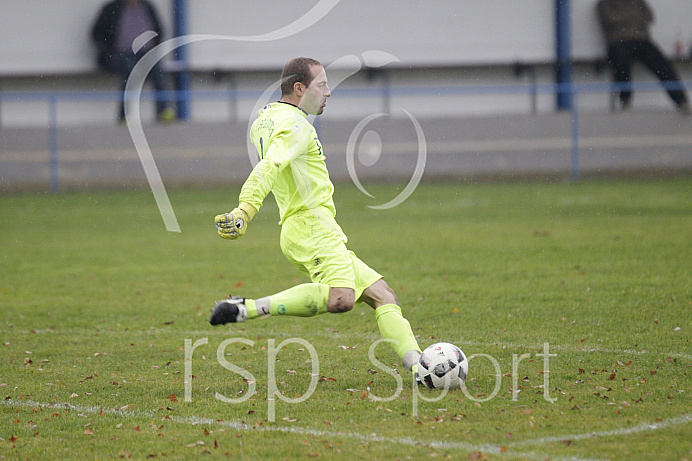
(106, 26)
(624, 20)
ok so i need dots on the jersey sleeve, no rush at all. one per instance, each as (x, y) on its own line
(276, 153)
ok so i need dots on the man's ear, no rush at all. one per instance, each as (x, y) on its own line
(298, 88)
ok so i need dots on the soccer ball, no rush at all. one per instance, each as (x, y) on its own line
(443, 365)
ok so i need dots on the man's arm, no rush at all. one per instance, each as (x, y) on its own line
(284, 148)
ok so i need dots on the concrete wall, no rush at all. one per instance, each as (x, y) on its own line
(433, 48)
(44, 37)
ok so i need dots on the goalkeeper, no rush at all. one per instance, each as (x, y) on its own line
(292, 167)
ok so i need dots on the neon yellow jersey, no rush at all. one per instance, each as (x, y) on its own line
(292, 164)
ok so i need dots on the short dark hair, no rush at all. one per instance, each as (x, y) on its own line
(297, 70)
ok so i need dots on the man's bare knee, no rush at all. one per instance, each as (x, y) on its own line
(341, 300)
(379, 294)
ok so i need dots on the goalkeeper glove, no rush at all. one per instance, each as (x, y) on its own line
(234, 224)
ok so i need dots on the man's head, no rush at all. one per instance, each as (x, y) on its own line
(304, 84)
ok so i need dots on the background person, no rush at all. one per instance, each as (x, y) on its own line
(117, 25)
(625, 25)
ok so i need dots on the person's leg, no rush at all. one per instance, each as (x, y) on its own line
(121, 64)
(620, 59)
(650, 55)
(164, 112)
(306, 300)
(392, 324)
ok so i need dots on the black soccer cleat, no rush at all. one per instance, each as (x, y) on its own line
(231, 310)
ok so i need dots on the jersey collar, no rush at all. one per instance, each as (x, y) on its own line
(293, 105)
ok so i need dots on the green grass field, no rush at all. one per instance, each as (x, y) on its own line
(99, 306)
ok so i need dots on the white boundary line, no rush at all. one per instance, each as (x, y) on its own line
(408, 441)
(644, 427)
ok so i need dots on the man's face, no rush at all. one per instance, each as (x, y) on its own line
(315, 97)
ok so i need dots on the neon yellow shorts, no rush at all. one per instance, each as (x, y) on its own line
(316, 245)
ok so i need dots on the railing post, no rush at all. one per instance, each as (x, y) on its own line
(53, 142)
(563, 52)
(573, 93)
(183, 76)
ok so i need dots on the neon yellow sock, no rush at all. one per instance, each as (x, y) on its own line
(306, 300)
(251, 308)
(394, 326)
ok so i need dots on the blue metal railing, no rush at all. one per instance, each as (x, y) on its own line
(384, 92)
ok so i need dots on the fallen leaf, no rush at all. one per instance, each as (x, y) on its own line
(198, 443)
(88, 432)
(172, 398)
